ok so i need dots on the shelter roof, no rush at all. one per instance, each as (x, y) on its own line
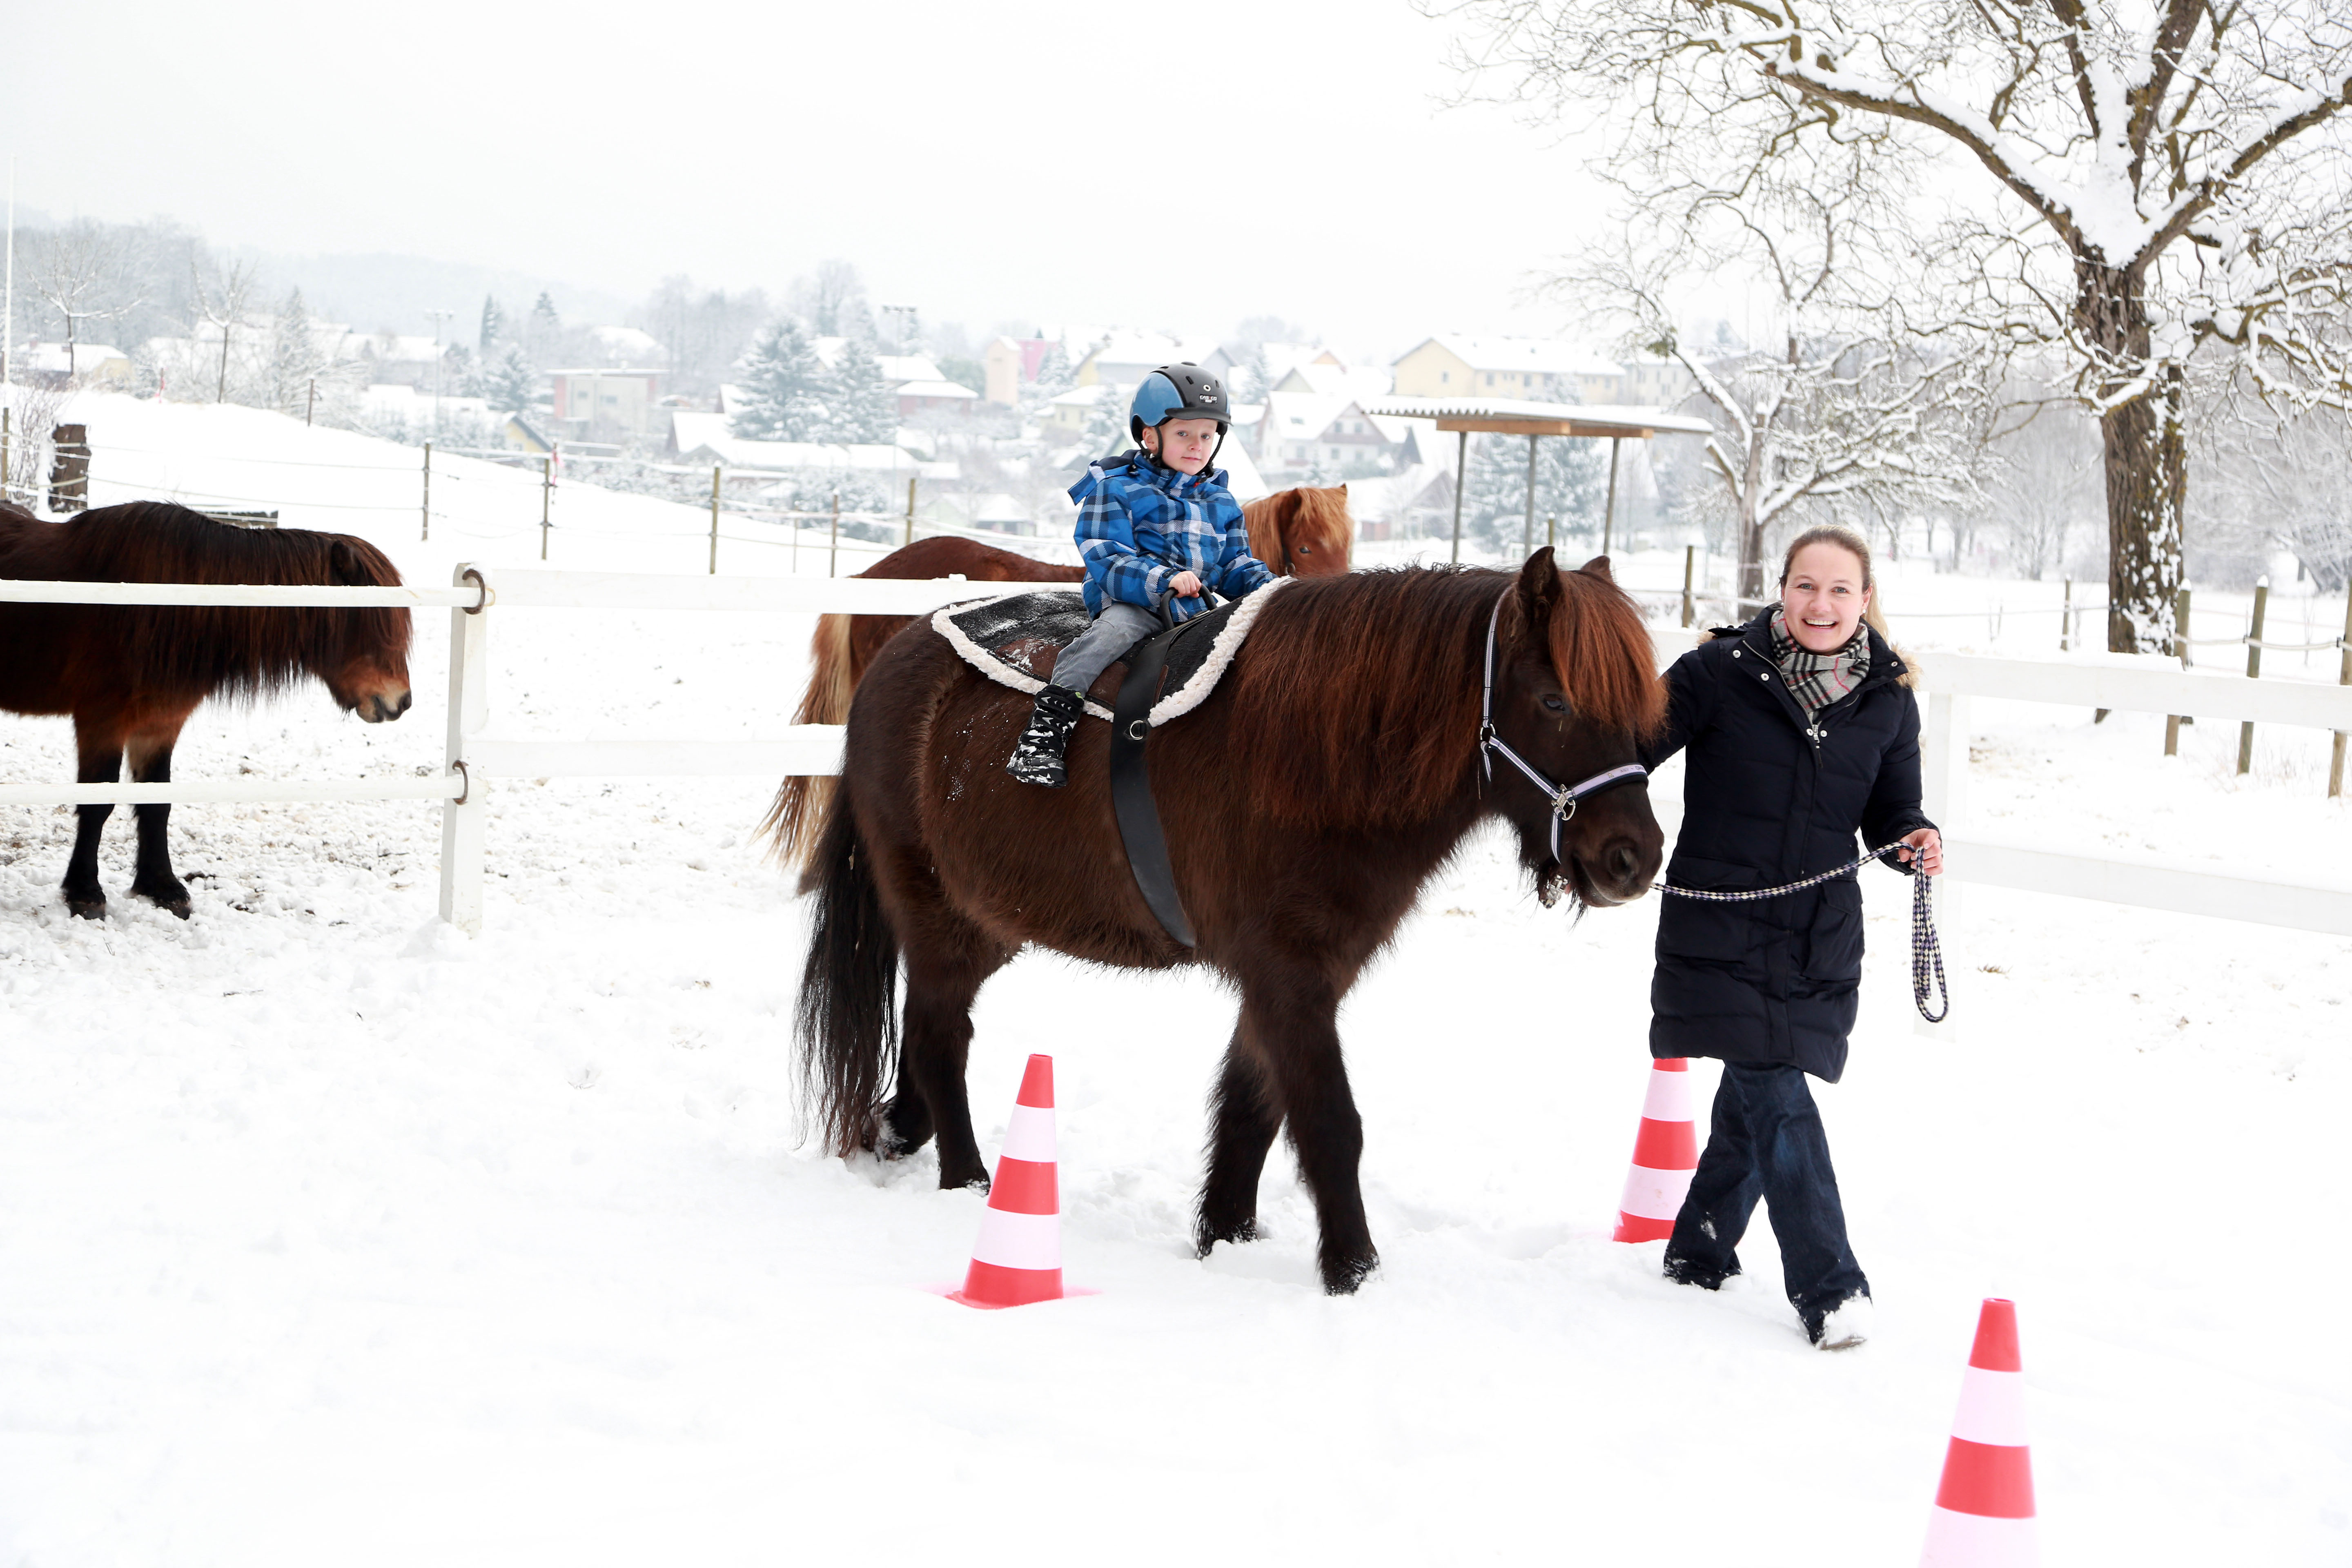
(1521, 417)
(935, 388)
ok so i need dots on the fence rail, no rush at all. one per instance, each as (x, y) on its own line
(474, 758)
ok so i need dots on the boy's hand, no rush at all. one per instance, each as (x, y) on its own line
(1186, 584)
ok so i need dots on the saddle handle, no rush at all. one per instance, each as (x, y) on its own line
(1207, 595)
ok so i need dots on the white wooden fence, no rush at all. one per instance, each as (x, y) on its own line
(475, 756)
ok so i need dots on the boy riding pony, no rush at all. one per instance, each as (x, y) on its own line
(1159, 532)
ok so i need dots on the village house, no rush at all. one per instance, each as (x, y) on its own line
(1011, 364)
(1535, 370)
(608, 405)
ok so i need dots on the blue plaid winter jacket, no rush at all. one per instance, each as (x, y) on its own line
(1140, 524)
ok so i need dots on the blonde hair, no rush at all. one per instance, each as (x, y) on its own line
(1874, 611)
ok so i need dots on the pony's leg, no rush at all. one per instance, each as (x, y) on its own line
(151, 763)
(1245, 1117)
(100, 761)
(942, 981)
(1293, 1019)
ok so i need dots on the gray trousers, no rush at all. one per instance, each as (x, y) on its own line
(1118, 628)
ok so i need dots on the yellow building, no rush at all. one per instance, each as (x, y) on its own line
(1535, 369)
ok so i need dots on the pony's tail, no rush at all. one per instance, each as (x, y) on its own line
(847, 1016)
(790, 827)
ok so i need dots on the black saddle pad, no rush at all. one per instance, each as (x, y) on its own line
(1014, 640)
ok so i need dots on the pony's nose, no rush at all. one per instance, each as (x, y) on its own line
(1624, 862)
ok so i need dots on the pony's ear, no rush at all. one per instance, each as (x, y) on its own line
(1343, 487)
(344, 564)
(1599, 567)
(1539, 587)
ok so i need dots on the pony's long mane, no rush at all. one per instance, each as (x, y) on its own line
(1316, 517)
(1361, 692)
(233, 651)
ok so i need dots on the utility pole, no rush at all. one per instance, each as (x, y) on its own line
(9, 310)
(714, 519)
(437, 317)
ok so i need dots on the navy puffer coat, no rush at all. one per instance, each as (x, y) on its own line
(1769, 798)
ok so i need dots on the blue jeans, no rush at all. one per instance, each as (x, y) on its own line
(1767, 1141)
(1118, 628)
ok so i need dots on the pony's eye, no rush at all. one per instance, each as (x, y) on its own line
(1555, 704)
(1306, 550)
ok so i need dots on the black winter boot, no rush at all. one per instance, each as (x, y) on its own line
(1037, 757)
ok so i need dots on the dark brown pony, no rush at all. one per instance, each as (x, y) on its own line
(1333, 770)
(131, 675)
(1300, 533)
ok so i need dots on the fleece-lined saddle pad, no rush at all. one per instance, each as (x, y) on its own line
(1014, 640)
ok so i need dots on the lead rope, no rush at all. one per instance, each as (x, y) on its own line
(1926, 952)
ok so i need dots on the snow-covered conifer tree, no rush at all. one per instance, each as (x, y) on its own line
(783, 388)
(859, 406)
(494, 325)
(508, 382)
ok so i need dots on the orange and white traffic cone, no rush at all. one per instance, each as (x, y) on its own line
(1984, 1508)
(1018, 1257)
(1665, 1152)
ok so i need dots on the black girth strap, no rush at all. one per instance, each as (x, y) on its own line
(1131, 782)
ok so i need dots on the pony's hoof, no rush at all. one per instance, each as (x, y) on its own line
(951, 1181)
(172, 901)
(1342, 1279)
(1206, 1239)
(87, 909)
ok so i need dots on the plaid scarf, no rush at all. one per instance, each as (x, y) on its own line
(1817, 680)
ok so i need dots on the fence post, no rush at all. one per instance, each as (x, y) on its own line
(1690, 564)
(311, 403)
(546, 499)
(910, 509)
(2066, 620)
(2253, 671)
(1944, 795)
(1551, 530)
(714, 519)
(462, 821)
(426, 531)
(2181, 646)
(2343, 678)
(1609, 508)
(832, 547)
(7, 449)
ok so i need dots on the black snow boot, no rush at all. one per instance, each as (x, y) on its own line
(1037, 758)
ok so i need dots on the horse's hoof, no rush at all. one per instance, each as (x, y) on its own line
(170, 903)
(1206, 1239)
(1342, 1279)
(962, 1181)
(88, 909)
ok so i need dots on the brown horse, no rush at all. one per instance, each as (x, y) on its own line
(1302, 533)
(131, 675)
(1332, 771)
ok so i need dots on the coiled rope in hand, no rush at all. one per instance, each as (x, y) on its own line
(1926, 952)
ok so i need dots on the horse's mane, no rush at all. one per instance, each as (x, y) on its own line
(234, 650)
(1316, 517)
(1362, 690)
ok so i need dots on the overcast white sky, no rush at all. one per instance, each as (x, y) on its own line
(1183, 165)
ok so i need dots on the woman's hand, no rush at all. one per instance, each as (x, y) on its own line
(1926, 851)
(1186, 584)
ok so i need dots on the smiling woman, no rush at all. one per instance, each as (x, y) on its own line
(1802, 729)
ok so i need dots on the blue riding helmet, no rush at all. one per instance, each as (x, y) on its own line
(1178, 392)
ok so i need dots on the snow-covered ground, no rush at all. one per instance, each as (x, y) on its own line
(329, 1235)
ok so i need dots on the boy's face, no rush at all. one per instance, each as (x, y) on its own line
(1183, 445)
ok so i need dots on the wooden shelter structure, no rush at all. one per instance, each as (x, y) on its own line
(1513, 416)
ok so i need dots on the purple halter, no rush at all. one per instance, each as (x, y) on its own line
(1563, 797)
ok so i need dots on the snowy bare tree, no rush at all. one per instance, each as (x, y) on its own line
(2155, 180)
(1847, 410)
(80, 273)
(222, 297)
(2275, 485)
(2041, 480)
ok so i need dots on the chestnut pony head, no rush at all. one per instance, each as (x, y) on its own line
(1302, 533)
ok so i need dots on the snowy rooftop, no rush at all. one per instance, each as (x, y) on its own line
(936, 388)
(1524, 356)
